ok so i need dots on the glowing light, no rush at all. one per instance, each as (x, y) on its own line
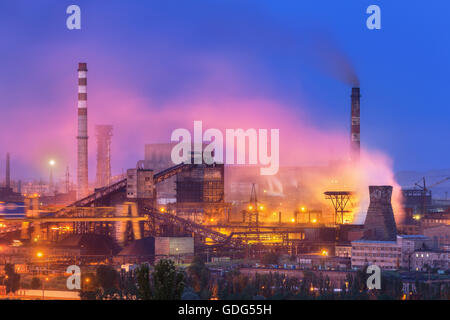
(314, 220)
(416, 217)
(303, 209)
(292, 220)
(261, 207)
(39, 254)
(162, 210)
(324, 252)
(250, 207)
(52, 162)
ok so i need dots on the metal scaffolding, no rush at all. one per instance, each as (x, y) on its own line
(339, 199)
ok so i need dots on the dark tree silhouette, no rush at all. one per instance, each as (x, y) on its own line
(168, 282)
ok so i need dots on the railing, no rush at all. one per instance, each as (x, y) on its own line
(167, 173)
(100, 193)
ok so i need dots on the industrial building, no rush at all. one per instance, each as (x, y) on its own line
(131, 209)
(151, 249)
(161, 210)
(7, 194)
(425, 260)
(380, 244)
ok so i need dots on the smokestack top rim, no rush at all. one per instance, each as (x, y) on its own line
(356, 91)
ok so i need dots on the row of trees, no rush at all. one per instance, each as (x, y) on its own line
(234, 285)
(11, 279)
(164, 283)
(431, 291)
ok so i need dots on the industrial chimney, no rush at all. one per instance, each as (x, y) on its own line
(82, 138)
(104, 134)
(8, 173)
(380, 222)
(355, 126)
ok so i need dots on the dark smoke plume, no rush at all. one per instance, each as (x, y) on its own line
(330, 59)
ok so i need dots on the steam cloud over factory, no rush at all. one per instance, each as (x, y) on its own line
(285, 184)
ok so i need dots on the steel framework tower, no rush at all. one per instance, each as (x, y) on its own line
(253, 213)
(104, 134)
(339, 199)
(82, 138)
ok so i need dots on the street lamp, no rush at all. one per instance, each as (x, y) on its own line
(52, 164)
(40, 255)
(178, 256)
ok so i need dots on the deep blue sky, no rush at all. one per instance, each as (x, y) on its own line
(157, 48)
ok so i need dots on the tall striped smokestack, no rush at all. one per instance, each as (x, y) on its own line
(82, 138)
(355, 142)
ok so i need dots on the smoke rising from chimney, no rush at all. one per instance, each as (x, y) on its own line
(330, 59)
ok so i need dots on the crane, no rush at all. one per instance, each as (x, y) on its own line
(426, 189)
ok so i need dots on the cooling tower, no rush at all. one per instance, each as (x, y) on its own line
(380, 222)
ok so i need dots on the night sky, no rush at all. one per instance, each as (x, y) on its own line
(155, 66)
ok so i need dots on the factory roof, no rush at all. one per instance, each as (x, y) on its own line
(413, 236)
(374, 241)
(431, 250)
